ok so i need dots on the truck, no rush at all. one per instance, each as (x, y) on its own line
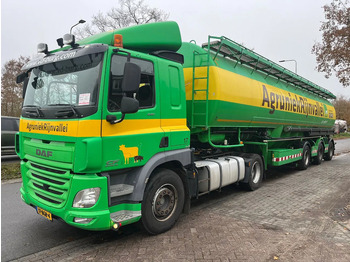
(130, 125)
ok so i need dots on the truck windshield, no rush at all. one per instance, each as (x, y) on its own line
(73, 82)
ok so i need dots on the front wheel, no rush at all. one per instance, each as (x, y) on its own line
(163, 202)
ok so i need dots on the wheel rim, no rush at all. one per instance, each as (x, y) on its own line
(164, 202)
(256, 172)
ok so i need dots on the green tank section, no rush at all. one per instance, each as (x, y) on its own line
(143, 38)
(229, 87)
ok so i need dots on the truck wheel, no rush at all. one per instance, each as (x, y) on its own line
(329, 155)
(255, 173)
(304, 162)
(163, 202)
(320, 151)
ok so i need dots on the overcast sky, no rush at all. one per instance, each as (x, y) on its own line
(276, 29)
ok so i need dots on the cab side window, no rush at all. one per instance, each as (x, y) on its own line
(145, 95)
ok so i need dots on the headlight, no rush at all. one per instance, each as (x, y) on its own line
(87, 197)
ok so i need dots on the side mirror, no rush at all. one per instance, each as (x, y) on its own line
(132, 77)
(129, 105)
(21, 77)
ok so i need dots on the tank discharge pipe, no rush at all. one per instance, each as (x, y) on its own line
(240, 143)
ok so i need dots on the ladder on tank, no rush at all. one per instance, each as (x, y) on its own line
(200, 108)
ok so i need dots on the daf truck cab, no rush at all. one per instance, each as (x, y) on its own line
(94, 130)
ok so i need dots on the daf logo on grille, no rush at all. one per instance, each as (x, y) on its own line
(45, 153)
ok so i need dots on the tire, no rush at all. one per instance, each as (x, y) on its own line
(255, 173)
(329, 155)
(163, 202)
(317, 160)
(304, 162)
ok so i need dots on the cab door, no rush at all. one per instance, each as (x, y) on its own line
(133, 141)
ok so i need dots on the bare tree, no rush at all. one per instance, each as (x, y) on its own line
(342, 108)
(129, 12)
(11, 93)
(333, 53)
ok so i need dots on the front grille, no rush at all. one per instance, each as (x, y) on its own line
(44, 187)
(47, 199)
(48, 179)
(48, 185)
(48, 169)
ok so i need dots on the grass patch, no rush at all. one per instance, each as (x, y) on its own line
(341, 136)
(10, 171)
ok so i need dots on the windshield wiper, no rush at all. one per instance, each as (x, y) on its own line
(37, 113)
(63, 113)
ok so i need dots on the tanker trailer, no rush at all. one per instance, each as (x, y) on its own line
(131, 124)
(240, 103)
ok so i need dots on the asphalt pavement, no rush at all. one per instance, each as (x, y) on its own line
(342, 146)
(24, 232)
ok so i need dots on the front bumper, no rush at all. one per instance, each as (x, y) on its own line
(99, 213)
(103, 216)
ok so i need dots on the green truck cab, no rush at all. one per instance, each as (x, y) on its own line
(127, 125)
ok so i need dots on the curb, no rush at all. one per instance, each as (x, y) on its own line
(11, 181)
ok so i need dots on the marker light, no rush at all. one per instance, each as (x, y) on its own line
(42, 48)
(118, 40)
(116, 226)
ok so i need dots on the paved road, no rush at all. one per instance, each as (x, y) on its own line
(287, 208)
(24, 232)
(342, 146)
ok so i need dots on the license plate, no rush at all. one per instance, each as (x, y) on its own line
(44, 213)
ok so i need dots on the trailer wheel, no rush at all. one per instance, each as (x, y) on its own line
(163, 202)
(304, 162)
(329, 155)
(255, 173)
(320, 152)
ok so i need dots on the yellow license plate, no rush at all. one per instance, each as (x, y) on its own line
(44, 213)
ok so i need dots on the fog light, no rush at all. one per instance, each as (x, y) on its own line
(87, 197)
(82, 220)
